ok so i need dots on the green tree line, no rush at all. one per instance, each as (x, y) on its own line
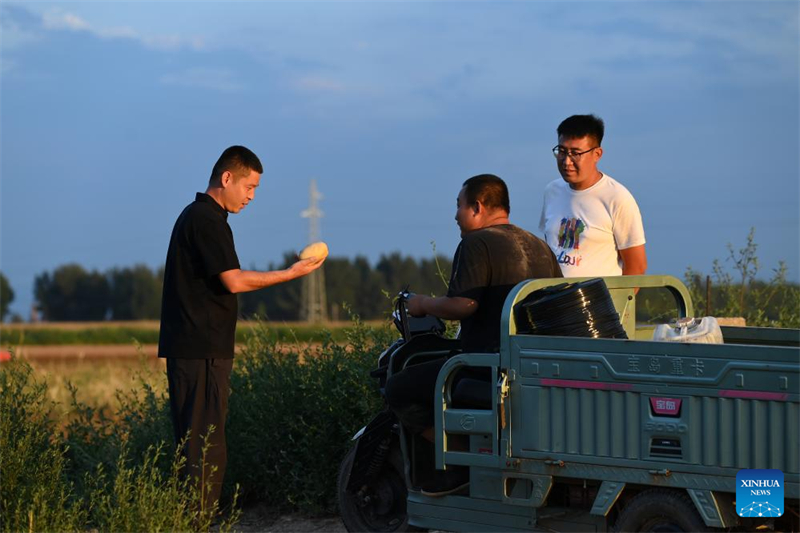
(72, 293)
(350, 285)
(6, 296)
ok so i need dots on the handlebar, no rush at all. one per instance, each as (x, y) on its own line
(401, 313)
(410, 326)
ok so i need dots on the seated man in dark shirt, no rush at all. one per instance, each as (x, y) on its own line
(493, 256)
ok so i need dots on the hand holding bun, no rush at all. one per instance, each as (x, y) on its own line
(319, 250)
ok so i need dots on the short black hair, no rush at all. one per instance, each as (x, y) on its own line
(237, 159)
(488, 189)
(578, 126)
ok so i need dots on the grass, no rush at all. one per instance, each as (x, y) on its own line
(54, 479)
(146, 332)
(87, 445)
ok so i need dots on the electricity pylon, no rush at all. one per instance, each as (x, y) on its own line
(314, 302)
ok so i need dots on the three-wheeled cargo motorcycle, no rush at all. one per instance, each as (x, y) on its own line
(586, 434)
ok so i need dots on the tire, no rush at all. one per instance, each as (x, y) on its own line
(379, 506)
(660, 510)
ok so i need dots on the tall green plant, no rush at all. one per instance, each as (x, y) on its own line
(97, 437)
(293, 411)
(141, 495)
(738, 293)
(35, 494)
(107, 473)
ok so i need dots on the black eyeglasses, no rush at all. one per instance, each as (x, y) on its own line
(560, 152)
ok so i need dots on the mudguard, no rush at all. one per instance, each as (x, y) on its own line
(372, 448)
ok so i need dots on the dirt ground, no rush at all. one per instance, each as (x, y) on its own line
(259, 518)
(85, 351)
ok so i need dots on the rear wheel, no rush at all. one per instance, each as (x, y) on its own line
(378, 505)
(660, 510)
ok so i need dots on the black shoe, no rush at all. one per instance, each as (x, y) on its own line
(447, 482)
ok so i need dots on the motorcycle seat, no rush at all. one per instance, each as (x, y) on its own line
(472, 393)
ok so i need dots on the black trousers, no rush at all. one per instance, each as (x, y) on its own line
(410, 394)
(198, 398)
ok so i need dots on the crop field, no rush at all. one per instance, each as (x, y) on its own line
(97, 380)
(99, 359)
(146, 332)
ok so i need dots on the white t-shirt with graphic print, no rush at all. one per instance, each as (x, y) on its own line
(586, 228)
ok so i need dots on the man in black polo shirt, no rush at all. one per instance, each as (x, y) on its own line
(492, 257)
(199, 309)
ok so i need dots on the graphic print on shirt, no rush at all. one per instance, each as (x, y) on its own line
(569, 238)
(569, 234)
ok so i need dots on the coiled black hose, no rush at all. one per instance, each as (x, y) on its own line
(582, 309)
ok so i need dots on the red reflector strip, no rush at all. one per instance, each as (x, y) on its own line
(572, 384)
(754, 395)
(666, 406)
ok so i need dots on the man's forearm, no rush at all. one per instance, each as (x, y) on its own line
(252, 280)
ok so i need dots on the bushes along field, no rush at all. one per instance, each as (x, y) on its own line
(289, 425)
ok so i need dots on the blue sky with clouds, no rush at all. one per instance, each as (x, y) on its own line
(113, 113)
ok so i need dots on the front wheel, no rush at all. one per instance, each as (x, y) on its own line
(660, 510)
(378, 505)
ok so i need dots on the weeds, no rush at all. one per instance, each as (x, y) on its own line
(141, 495)
(774, 303)
(293, 413)
(36, 493)
(103, 473)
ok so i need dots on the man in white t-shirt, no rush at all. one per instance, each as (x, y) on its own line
(590, 221)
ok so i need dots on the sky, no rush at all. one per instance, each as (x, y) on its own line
(112, 115)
